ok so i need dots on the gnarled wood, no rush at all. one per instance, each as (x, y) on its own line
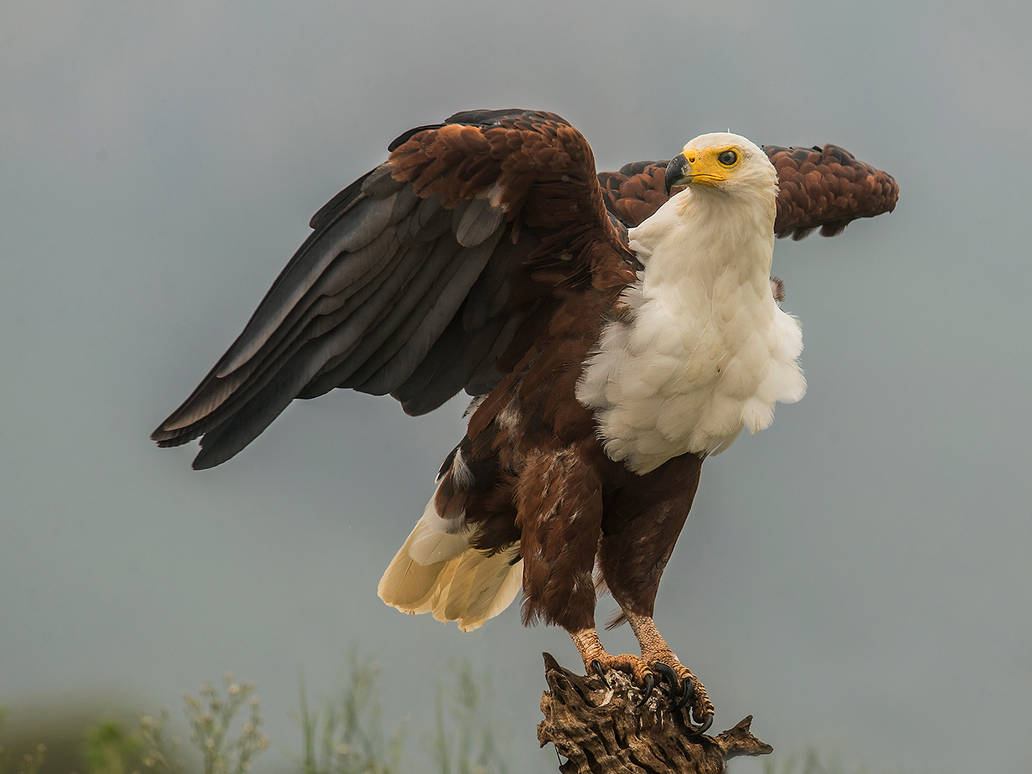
(600, 729)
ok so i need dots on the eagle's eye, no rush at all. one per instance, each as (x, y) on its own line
(728, 158)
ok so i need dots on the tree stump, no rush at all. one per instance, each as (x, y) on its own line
(600, 729)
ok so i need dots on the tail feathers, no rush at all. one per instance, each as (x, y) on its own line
(427, 545)
(439, 573)
(498, 588)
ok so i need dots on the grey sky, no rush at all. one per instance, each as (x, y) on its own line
(857, 576)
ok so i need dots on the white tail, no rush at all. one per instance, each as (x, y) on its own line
(438, 572)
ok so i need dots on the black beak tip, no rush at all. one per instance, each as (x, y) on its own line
(675, 172)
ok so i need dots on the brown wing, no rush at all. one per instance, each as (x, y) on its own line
(423, 277)
(635, 192)
(823, 188)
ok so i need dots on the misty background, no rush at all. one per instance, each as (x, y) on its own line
(857, 577)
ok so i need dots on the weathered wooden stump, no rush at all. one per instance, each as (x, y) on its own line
(599, 729)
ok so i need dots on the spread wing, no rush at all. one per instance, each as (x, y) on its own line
(423, 277)
(820, 187)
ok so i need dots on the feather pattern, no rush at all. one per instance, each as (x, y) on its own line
(705, 351)
(394, 259)
(823, 187)
(438, 571)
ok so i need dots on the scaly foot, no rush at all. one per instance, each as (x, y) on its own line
(657, 663)
(597, 660)
(683, 686)
(682, 683)
(625, 662)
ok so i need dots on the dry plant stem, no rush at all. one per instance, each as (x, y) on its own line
(600, 730)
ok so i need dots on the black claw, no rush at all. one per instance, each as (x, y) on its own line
(707, 721)
(650, 684)
(667, 676)
(688, 691)
(596, 667)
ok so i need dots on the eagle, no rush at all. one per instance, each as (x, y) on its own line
(614, 330)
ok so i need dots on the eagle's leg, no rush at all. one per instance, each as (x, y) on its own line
(597, 659)
(559, 513)
(640, 528)
(657, 654)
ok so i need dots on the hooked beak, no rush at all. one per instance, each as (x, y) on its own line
(678, 172)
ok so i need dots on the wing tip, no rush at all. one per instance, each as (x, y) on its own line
(167, 434)
(209, 458)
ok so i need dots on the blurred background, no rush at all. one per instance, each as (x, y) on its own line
(857, 577)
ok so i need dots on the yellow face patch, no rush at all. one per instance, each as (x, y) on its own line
(711, 166)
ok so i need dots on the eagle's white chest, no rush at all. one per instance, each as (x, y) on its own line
(705, 350)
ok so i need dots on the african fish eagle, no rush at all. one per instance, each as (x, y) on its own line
(612, 336)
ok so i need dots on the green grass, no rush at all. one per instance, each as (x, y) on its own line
(346, 736)
(25, 762)
(343, 735)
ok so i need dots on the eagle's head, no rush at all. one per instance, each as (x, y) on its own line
(723, 162)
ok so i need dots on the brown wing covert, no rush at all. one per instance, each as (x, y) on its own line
(820, 187)
(826, 188)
